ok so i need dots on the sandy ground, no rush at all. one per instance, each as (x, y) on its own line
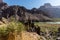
(30, 36)
(24, 36)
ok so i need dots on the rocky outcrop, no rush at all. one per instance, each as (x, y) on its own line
(23, 14)
(3, 6)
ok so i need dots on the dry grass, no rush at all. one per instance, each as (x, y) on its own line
(49, 27)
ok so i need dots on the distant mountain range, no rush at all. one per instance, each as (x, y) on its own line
(53, 11)
(23, 13)
(44, 13)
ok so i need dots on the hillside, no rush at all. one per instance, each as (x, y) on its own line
(22, 13)
(15, 31)
(20, 23)
(53, 11)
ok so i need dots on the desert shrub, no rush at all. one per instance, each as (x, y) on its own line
(11, 27)
(15, 26)
(3, 31)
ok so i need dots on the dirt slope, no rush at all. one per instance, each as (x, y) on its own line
(30, 36)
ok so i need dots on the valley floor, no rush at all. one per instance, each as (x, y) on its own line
(12, 34)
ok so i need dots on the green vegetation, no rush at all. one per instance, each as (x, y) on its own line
(56, 19)
(11, 27)
(45, 27)
(49, 27)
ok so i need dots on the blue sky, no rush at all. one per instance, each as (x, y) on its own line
(32, 3)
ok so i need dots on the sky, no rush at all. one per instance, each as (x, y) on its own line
(29, 4)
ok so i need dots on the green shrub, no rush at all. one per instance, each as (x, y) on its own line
(11, 27)
(3, 31)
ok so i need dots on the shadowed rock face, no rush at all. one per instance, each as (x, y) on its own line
(10, 11)
(1, 1)
(3, 6)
